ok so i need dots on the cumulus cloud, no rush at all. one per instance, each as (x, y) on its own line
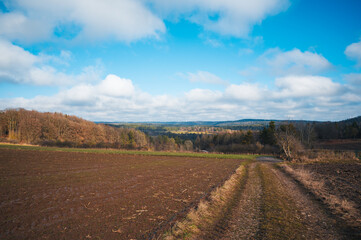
(20, 66)
(205, 77)
(227, 17)
(35, 20)
(14, 61)
(245, 92)
(80, 95)
(115, 86)
(353, 51)
(277, 63)
(87, 94)
(295, 62)
(306, 86)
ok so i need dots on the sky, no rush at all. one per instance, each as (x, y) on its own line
(182, 60)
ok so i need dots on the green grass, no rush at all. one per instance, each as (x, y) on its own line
(131, 152)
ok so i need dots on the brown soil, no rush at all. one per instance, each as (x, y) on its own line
(343, 180)
(339, 144)
(340, 192)
(64, 195)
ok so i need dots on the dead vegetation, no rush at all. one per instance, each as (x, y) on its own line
(206, 216)
(342, 206)
(327, 156)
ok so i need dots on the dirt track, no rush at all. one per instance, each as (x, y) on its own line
(274, 206)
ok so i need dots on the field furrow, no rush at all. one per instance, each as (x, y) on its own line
(107, 196)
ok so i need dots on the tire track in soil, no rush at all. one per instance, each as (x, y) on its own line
(305, 218)
(244, 223)
(272, 206)
(218, 231)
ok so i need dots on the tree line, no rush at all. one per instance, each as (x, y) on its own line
(57, 129)
(62, 130)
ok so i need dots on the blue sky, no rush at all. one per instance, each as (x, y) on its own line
(159, 60)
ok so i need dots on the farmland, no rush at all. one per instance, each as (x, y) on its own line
(52, 194)
(66, 193)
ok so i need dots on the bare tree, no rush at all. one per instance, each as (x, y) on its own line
(286, 137)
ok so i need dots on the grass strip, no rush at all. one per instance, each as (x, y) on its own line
(200, 221)
(130, 152)
(280, 213)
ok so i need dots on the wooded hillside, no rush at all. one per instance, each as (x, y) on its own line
(57, 129)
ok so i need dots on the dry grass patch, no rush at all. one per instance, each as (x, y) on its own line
(340, 205)
(318, 155)
(208, 213)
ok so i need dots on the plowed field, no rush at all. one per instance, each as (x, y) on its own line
(341, 179)
(61, 195)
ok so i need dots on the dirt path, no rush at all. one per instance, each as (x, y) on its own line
(244, 223)
(272, 206)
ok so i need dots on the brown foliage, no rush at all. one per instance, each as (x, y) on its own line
(57, 129)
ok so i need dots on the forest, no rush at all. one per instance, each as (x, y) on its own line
(57, 129)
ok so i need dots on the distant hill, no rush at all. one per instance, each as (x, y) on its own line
(225, 124)
(352, 120)
(345, 129)
(242, 124)
(349, 128)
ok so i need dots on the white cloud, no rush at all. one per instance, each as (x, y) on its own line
(115, 86)
(353, 78)
(129, 20)
(245, 92)
(205, 77)
(112, 87)
(80, 95)
(302, 97)
(306, 86)
(275, 63)
(203, 95)
(17, 26)
(227, 17)
(295, 62)
(35, 20)
(20, 66)
(353, 51)
(15, 62)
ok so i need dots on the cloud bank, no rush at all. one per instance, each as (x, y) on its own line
(128, 20)
(37, 20)
(227, 17)
(117, 99)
